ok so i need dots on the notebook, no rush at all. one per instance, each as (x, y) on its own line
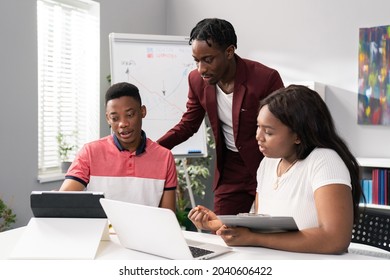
(155, 231)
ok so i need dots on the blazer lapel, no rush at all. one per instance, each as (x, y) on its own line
(239, 94)
(212, 110)
(211, 103)
(238, 97)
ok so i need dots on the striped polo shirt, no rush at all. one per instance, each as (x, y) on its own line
(138, 177)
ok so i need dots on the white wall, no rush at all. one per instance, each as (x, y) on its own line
(19, 100)
(305, 40)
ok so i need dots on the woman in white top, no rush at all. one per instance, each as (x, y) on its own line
(308, 172)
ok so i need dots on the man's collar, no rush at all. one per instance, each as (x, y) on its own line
(141, 147)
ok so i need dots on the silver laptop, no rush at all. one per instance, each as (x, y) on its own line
(156, 231)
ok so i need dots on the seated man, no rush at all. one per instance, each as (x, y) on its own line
(126, 165)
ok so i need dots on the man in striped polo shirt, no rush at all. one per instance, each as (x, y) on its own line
(126, 165)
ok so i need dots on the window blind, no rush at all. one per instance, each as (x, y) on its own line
(68, 77)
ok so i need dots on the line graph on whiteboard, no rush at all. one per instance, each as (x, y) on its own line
(160, 72)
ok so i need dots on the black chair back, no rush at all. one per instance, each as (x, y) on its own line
(373, 227)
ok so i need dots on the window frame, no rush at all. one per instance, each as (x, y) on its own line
(68, 79)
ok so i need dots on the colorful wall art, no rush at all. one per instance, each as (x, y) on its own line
(374, 76)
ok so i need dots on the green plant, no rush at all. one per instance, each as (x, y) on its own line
(64, 148)
(7, 217)
(198, 169)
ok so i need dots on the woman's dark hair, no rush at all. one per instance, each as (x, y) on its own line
(306, 114)
(122, 89)
(214, 30)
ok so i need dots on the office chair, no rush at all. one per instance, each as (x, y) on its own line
(373, 228)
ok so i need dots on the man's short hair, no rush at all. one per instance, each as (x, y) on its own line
(122, 89)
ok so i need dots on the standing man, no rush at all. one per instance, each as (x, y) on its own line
(228, 88)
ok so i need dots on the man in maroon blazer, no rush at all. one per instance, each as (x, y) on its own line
(227, 88)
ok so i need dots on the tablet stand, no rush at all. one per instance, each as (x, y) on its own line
(61, 238)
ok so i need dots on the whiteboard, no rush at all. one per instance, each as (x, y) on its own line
(159, 66)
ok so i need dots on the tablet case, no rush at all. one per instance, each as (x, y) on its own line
(60, 239)
(65, 204)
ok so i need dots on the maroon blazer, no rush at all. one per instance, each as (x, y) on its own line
(253, 81)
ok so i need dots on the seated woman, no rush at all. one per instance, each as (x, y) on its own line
(308, 172)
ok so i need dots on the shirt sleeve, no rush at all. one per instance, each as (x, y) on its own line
(327, 167)
(80, 167)
(171, 180)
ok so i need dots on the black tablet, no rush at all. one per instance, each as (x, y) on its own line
(61, 204)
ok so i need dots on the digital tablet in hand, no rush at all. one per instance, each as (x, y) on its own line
(260, 222)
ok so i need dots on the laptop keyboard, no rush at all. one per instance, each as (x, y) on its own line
(198, 252)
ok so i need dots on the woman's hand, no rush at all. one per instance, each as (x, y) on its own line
(235, 236)
(204, 218)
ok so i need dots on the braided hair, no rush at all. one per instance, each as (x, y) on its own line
(214, 30)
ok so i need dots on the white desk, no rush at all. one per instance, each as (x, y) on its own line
(112, 250)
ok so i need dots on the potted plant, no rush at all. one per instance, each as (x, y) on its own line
(64, 150)
(198, 169)
(7, 217)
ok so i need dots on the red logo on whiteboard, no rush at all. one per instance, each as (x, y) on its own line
(149, 52)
